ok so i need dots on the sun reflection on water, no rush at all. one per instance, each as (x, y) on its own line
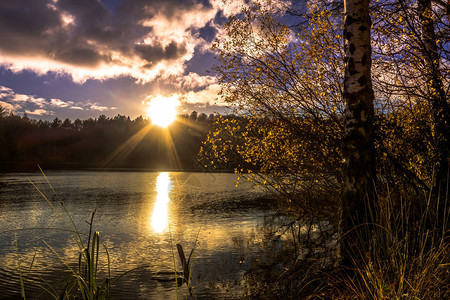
(160, 217)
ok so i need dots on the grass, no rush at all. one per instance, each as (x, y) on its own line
(408, 257)
(84, 282)
(186, 265)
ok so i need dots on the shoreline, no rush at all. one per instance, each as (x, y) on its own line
(25, 167)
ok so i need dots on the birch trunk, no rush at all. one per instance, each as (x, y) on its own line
(358, 143)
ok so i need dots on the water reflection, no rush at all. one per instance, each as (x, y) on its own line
(160, 217)
(138, 205)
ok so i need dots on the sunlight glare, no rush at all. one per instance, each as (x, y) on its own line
(160, 217)
(163, 110)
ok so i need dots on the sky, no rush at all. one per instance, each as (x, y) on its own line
(84, 58)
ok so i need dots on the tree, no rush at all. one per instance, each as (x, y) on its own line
(211, 118)
(358, 140)
(268, 74)
(288, 83)
(285, 84)
(437, 94)
(202, 117)
(56, 123)
(193, 116)
(411, 60)
(78, 124)
(67, 124)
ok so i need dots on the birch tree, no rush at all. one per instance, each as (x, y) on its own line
(358, 140)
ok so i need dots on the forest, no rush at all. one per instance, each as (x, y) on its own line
(103, 142)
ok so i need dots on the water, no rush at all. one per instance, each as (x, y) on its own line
(139, 215)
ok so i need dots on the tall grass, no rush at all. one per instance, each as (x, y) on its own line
(405, 254)
(408, 256)
(83, 281)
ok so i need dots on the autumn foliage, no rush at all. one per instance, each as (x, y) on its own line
(284, 76)
(286, 84)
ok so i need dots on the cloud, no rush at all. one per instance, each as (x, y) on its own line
(163, 43)
(89, 39)
(60, 103)
(205, 108)
(19, 100)
(157, 52)
(39, 112)
(195, 81)
(4, 89)
(209, 96)
(98, 107)
(92, 106)
(9, 107)
(30, 104)
(19, 97)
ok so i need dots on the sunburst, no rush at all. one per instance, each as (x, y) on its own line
(163, 110)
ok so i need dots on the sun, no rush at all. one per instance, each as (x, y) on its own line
(163, 110)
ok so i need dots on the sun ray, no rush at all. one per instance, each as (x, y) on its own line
(202, 129)
(125, 149)
(173, 154)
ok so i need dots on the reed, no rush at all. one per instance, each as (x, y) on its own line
(83, 281)
(187, 266)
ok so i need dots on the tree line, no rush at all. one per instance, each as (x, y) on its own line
(103, 142)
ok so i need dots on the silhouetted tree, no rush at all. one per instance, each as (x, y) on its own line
(211, 118)
(97, 143)
(193, 116)
(102, 119)
(78, 124)
(202, 117)
(56, 123)
(67, 124)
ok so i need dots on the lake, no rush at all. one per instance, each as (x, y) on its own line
(141, 216)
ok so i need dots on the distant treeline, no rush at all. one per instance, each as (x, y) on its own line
(103, 142)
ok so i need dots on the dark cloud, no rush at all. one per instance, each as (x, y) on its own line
(87, 10)
(80, 56)
(85, 32)
(154, 53)
(142, 9)
(27, 18)
(25, 26)
(95, 21)
(36, 28)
